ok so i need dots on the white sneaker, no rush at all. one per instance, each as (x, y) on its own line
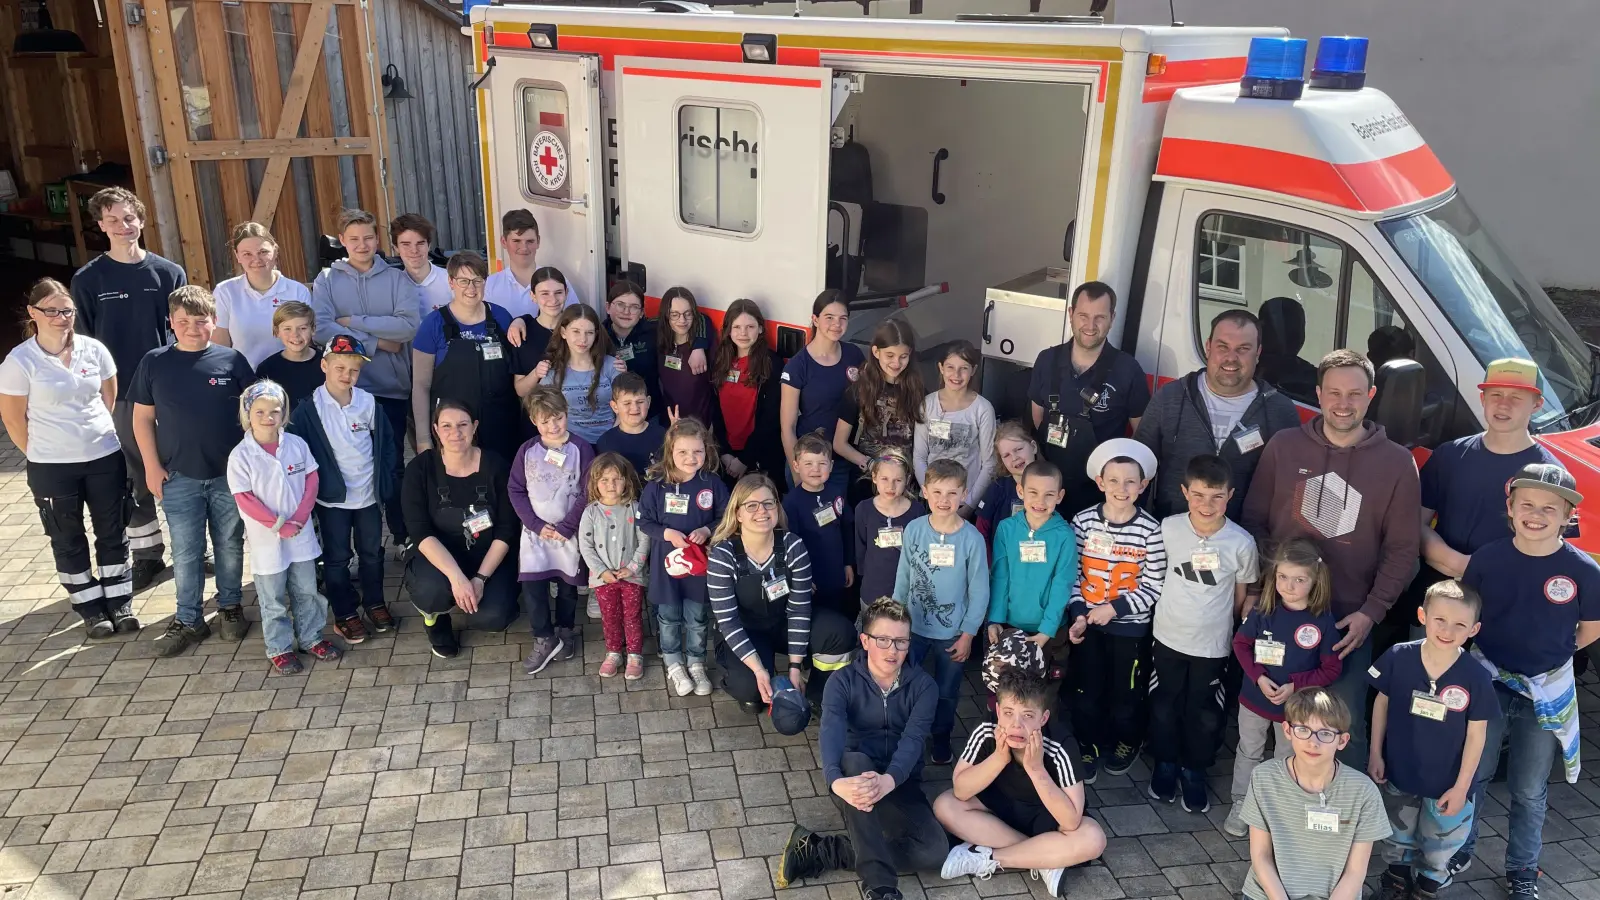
(702, 681)
(678, 677)
(965, 859)
(594, 607)
(1234, 825)
(1051, 879)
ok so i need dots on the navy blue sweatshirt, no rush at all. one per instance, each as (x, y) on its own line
(832, 546)
(876, 566)
(889, 728)
(707, 498)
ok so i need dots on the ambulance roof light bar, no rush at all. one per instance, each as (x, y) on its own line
(1275, 69)
(1341, 63)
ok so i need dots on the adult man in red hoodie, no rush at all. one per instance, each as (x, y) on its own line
(1339, 481)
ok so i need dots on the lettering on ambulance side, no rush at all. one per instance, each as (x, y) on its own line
(706, 142)
(1105, 580)
(1378, 126)
(615, 205)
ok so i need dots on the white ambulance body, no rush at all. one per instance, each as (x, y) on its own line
(982, 167)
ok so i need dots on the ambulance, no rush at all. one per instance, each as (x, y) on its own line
(965, 174)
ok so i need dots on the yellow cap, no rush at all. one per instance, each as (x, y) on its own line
(1512, 373)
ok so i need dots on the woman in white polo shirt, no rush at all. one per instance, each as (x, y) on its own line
(246, 302)
(56, 392)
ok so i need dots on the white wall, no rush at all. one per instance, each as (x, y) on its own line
(1507, 94)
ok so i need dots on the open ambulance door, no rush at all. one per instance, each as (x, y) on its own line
(545, 155)
(725, 173)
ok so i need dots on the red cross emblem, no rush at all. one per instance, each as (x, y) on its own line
(547, 156)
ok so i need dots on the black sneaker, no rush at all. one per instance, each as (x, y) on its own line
(569, 642)
(882, 893)
(802, 857)
(123, 619)
(1088, 764)
(1426, 888)
(753, 707)
(145, 572)
(96, 624)
(1164, 782)
(1522, 887)
(1460, 862)
(1121, 759)
(1394, 886)
(179, 637)
(232, 626)
(939, 750)
(1196, 799)
(441, 635)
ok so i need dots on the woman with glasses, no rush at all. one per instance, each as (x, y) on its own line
(56, 392)
(759, 580)
(461, 353)
(684, 392)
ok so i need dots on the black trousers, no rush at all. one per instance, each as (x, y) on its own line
(900, 834)
(396, 410)
(1186, 701)
(61, 490)
(430, 591)
(537, 595)
(1109, 674)
(144, 529)
(833, 640)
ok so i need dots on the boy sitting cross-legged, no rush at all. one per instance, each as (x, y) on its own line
(1015, 801)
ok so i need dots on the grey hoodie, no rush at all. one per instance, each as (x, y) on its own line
(381, 302)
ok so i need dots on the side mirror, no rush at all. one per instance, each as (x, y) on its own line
(1402, 384)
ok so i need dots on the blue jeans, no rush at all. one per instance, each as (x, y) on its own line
(191, 506)
(1533, 752)
(1352, 688)
(683, 631)
(946, 674)
(292, 612)
(365, 525)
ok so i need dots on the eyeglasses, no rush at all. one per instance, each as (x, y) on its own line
(469, 282)
(754, 506)
(49, 313)
(885, 643)
(686, 316)
(627, 307)
(1323, 735)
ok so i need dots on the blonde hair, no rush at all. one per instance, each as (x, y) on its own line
(1012, 430)
(544, 400)
(889, 456)
(684, 429)
(614, 462)
(748, 485)
(348, 217)
(1298, 552)
(294, 309)
(1310, 703)
(265, 389)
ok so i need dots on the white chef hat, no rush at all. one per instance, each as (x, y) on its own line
(1122, 447)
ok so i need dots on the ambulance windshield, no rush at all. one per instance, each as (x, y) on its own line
(1496, 309)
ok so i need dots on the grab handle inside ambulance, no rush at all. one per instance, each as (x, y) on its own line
(1066, 242)
(938, 160)
(988, 309)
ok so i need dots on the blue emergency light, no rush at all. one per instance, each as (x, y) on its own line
(1341, 63)
(1275, 69)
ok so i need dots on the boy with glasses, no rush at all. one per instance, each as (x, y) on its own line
(1312, 820)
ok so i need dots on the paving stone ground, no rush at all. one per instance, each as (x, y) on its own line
(393, 775)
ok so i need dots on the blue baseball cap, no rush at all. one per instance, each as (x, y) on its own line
(790, 711)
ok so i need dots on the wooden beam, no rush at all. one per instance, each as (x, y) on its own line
(311, 26)
(269, 148)
(122, 57)
(282, 218)
(216, 64)
(363, 105)
(380, 151)
(175, 128)
(326, 181)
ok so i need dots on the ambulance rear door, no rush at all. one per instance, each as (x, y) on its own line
(545, 154)
(725, 167)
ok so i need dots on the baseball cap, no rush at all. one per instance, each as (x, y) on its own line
(344, 344)
(1548, 477)
(1512, 373)
(1116, 447)
(691, 560)
(790, 711)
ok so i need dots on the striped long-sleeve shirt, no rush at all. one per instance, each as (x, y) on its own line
(722, 578)
(1123, 565)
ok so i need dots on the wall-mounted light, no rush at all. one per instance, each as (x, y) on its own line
(760, 48)
(394, 87)
(542, 37)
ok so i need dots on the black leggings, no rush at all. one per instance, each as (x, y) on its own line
(430, 591)
(833, 640)
(61, 490)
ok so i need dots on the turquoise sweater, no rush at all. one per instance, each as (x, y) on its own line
(944, 600)
(1032, 596)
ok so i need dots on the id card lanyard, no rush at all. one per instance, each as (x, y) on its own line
(889, 535)
(940, 554)
(677, 503)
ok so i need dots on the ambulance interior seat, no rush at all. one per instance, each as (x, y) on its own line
(1402, 385)
(1283, 333)
(882, 248)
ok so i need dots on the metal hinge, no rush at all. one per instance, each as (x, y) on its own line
(158, 156)
(133, 14)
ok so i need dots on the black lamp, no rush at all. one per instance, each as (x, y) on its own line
(542, 37)
(759, 48)
(44, 37)
(394, 87)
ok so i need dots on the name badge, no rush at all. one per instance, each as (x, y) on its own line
(1428, 706)
(824, 514)
(555, 457)
(1249, 440)
(1033, 551)
(942, 556)
(1101, 544)
(673, 363)
(939, 430)
(476, 522)
(677, 504)
(1056, 434)
(776, 588)
(626, 353)
(889, 537)
(733, 376)
(1322, 820)
(1205, 560)
(1269, 652)
(492, 350)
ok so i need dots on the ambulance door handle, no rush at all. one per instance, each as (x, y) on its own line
(988, 309)
(938, 160)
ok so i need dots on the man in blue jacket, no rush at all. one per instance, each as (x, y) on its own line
(875, 718)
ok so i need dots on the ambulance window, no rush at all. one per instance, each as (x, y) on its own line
(718, 167)
(1375, 326)
(544, 141)
(1287, 277)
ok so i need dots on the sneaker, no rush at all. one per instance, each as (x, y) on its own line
(611, 666)
(939, 750)
(635, 670)
(544, 651)
(441, 635)
(1121, 759)
(1051, 879)
(1460, 862)
(569, 642)
(1196, 799)
(702, 681)
(1426, 888)
(179, 637)
(1522, 887)
(351, 629)
(287, 664)
(1164, 783)
(96, 624)
(593, 609)
(325, 650)
(123, 619)
(232, 626)
(397, 550)
(965, 859)
(1394, 886)
(145, 572)
(1235, 826)
(801, 857)
(678, 677)
(1088, 764)
(882, 893)
(752, 707)
(382, 619)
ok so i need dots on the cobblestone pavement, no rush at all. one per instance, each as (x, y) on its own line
(392, 775)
